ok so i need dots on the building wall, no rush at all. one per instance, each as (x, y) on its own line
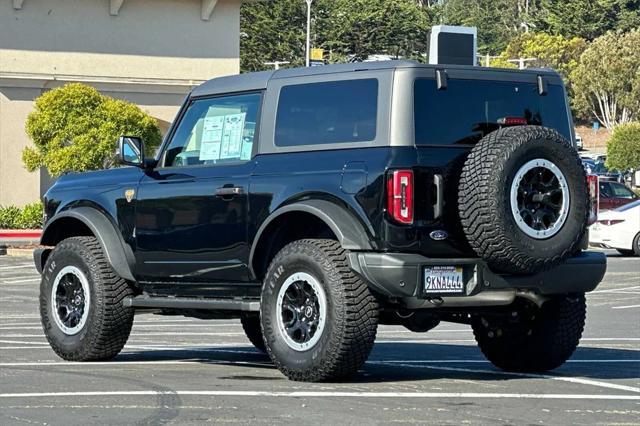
(151, 53)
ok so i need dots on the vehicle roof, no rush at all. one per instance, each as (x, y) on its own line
(259, 80)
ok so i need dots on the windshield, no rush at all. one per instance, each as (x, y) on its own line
(467, 110)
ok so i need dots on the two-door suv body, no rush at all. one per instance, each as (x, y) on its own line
(317, 203)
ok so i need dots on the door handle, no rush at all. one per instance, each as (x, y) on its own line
(438, 206)
(229, 191)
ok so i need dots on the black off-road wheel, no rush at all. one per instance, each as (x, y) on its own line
(253, 330)
(530, 338)
(319, 318)
(523, 199)
(81, 302)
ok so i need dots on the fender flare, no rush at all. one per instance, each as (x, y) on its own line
(118, 254)
(349, 231)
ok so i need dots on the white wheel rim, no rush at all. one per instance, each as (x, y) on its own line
(301, 313)
(552, 214)
(78, 305)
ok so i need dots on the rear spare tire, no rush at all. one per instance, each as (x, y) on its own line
(523, 199)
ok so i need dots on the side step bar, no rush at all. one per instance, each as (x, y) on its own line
(192, 303)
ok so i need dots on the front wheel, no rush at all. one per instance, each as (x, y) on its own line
(319, 318)
(530, 338)
(81, 302)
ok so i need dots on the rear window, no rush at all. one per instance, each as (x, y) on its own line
(326, 113)
(469, 109)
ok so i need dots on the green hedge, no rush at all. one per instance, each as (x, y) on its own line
(623, 149)
(28, 217)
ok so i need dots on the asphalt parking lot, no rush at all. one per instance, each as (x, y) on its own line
(189, 371)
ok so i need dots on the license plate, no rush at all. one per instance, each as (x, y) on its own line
(443, 280)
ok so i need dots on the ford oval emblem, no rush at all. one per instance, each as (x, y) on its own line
(438, 235)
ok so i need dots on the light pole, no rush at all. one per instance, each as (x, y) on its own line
(308, 53)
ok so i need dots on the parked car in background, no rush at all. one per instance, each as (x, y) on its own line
(596, 167)
(618, 229)
(614, 195)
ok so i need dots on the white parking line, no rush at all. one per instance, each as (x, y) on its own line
(613, 290)
(188, 361)
(25, 265)
(28, 280)
(625, 307)
(575, 380)
(324, 394)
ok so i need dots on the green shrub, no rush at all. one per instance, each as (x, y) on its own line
(8, 216)
(75, 128)
(623, 149)
(28, 217)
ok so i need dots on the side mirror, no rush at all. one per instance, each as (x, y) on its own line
(130, 151)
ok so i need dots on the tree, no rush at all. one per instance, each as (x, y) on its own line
(497, 21)
(359, 28)
(588, 19)
(623, 149)
(346, 29)
(75, 128)
(556, 52)
(606, 82)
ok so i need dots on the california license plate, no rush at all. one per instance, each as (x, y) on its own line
(443, 280)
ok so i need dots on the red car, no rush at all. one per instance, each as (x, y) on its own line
(614, 194)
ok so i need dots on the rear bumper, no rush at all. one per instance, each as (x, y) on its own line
(399, 275)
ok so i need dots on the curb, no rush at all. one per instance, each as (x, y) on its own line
(19, 252)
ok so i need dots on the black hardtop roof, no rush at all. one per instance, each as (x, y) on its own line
(259, 80)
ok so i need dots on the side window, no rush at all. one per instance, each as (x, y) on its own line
(605, 190)
(214, 131)
(327, 112)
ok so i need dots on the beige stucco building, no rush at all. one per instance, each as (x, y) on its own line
(150, 52)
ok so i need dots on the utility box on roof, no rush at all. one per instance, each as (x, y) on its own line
(452, 45)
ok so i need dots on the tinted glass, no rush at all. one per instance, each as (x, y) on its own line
(328, 112)
(214, 131)
(621, 191)
(469, 109)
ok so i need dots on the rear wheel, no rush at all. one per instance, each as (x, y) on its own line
(81, 302)
(530, 338)
(636, 244)
(319, 318)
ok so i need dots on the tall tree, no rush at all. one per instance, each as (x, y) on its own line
(606, 81)
(556, 52)
(588, 18)
(345, 29)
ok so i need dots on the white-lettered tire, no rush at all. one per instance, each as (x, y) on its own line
(319, 318)
(81, 302)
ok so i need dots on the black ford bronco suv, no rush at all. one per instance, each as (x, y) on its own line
(317, 203)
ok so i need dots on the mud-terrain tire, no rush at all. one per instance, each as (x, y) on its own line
(75, 265)
(512, 199)
(253, 330)
(534, 340)
(311, 274)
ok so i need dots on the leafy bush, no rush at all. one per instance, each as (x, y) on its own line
(623, 149)
(75, 128)
(8, 216)
(28, 217)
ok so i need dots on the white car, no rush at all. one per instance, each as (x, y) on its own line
(618, 229)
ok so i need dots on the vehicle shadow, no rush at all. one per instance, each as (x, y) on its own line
(416, 361)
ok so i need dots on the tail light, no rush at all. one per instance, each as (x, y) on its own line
(594, 195)
(400, 196)
(609, 222)
(512, 121)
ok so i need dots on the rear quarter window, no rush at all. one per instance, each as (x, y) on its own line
(469, 109)
(326, 113)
